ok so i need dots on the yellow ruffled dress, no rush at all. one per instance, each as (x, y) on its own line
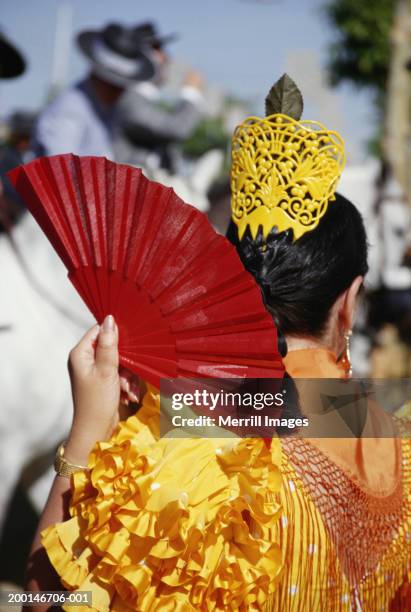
(169, 524)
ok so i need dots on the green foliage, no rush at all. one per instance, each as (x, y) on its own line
(361, 52)
(209, 134)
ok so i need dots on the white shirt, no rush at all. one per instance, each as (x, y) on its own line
(76, 123)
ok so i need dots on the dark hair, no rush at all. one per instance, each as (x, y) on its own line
(301, 279)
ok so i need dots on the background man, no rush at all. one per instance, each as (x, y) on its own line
(80, 120)
(147, 130)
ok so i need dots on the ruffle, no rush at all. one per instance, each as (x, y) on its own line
(171, 524)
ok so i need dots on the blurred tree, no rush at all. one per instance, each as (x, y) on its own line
(373, 49)
(209, 134)
(362, 50)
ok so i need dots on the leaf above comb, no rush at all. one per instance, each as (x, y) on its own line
(284, 97)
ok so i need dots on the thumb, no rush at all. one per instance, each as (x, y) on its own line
(106, 358)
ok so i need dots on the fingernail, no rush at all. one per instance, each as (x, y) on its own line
(108, 324)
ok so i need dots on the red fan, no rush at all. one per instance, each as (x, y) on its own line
(183, 302)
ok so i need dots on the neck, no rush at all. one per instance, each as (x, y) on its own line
(330, 340)
(295, 343)
(106, 93)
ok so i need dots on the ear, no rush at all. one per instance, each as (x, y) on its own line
(348, 302)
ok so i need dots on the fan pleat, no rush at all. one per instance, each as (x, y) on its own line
(182, 300)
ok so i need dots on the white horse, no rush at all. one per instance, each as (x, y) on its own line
(36, 335)
(193, 186)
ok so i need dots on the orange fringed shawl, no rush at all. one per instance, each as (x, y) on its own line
(345, 531)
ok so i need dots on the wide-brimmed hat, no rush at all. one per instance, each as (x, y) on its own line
(147, 34)
(117, 55)
(12, 62)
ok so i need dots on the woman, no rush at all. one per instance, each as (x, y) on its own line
(342, 547)
(296, 525)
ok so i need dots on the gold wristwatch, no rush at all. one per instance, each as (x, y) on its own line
(64, 467)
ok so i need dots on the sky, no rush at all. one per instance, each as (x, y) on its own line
(241, 46)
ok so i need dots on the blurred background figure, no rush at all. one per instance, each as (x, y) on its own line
(390, 305)
(148, 127)
(80, 120)
(16, 148)
(16, 141)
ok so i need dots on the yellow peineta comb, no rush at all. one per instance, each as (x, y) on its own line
(284, 173)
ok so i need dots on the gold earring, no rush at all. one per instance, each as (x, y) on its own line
(346, 357)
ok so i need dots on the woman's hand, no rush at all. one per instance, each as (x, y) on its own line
(97, 388)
